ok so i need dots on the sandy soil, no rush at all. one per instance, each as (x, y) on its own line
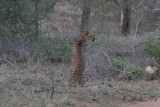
(144, 104)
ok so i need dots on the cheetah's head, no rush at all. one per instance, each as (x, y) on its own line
(88, 35)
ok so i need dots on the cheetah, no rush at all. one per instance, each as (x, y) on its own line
(78, 75)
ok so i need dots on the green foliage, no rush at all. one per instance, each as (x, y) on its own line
(121, 65)
(134, 73)
(158, 70)
(41, 47)
(45, 48)
(18, 17)
(153, 49)
(5, 30)
(65, 51)
(17, 24)
(130, 72)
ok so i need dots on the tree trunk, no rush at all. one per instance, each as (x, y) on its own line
(85, 15)
(125, 17)
(36, 18)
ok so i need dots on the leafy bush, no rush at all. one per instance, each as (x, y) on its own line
(17, 30)
(133, 73)
(120, 65)
(65, 51)
(18, 17)
(153, 49)
(46, 48)
(130, 72)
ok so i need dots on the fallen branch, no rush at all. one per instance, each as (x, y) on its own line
(10, 63)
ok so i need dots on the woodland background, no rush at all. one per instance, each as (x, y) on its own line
(36, 39)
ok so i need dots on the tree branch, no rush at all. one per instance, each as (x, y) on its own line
(137, 26)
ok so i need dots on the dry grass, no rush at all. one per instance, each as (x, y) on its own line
(30, 86)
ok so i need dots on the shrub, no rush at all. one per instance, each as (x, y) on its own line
(130, 72)
(47, 48)
(134, 73)
(153, 49)
(117, 63)
(18, 30)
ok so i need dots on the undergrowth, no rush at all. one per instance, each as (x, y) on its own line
(153, 49)
(44, 49)
(47, 48)
(130, 72)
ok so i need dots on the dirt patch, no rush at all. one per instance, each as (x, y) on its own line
(153, 103)
(143, 104)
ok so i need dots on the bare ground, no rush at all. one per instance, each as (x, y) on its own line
(144, 104)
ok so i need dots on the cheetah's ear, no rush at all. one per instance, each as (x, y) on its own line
(79, 43)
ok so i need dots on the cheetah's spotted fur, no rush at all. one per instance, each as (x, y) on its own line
(77, 75)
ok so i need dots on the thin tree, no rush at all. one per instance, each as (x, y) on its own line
(85, 15)
(125, 17)
(36, 18)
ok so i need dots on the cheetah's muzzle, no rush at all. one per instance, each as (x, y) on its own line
(93, 39)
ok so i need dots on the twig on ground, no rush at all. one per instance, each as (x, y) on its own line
(10, 63)
(52, 92)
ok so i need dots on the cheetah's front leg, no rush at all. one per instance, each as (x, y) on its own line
(84, 78)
